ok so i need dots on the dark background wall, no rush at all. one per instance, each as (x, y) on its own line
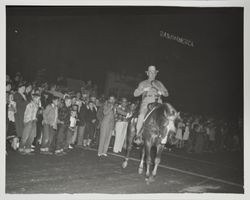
(85, 42)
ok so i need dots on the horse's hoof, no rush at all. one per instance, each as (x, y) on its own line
(124, 165)
(147, 180)
(140, 170)
(151, 179)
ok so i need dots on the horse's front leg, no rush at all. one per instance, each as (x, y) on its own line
(140, 169)
(157, 159)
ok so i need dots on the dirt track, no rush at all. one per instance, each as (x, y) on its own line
(81, 171)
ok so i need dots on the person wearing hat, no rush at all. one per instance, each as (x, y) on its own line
(151, 91)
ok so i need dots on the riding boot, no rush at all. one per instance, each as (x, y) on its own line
(138, 139)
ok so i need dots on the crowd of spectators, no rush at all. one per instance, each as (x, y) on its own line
(51, 118)
(198, 134)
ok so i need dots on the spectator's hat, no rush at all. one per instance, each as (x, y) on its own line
(152, 68)
(54, 98)
(21, 84)
(85, 94)
(91, 102)
(28, 84)
(36, 94)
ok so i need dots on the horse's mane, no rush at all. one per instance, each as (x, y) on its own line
(158, 116)
(165, 108)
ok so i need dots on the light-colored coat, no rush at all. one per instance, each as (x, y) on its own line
(106, 128)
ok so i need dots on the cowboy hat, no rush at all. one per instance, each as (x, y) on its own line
(152, 69)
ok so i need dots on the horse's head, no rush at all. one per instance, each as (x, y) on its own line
(171, 116)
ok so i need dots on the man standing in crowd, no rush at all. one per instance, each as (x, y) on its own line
(82, 120)
(63, 126)
(151, 91)
(50, 115)
(121, 125)
(90, 123)
(21, 103)
(29, 131)
(107, 126)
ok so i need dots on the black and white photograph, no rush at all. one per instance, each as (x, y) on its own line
(124, 100)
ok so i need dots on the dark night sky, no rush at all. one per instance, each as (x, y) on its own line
(84, 42)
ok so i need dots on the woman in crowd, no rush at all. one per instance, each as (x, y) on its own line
(107, 126)
(28, 91)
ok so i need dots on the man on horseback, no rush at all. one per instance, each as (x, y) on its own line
(151, 91)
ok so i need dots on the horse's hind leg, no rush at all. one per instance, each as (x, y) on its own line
(129, 148)
(140, 169)
(157, 159)
(125, 162)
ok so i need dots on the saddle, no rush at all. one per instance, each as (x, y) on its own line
(151, 108)
(153, 105)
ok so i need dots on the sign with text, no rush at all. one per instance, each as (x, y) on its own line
(176, 38)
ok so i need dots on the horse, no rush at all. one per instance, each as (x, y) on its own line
(158, 129)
